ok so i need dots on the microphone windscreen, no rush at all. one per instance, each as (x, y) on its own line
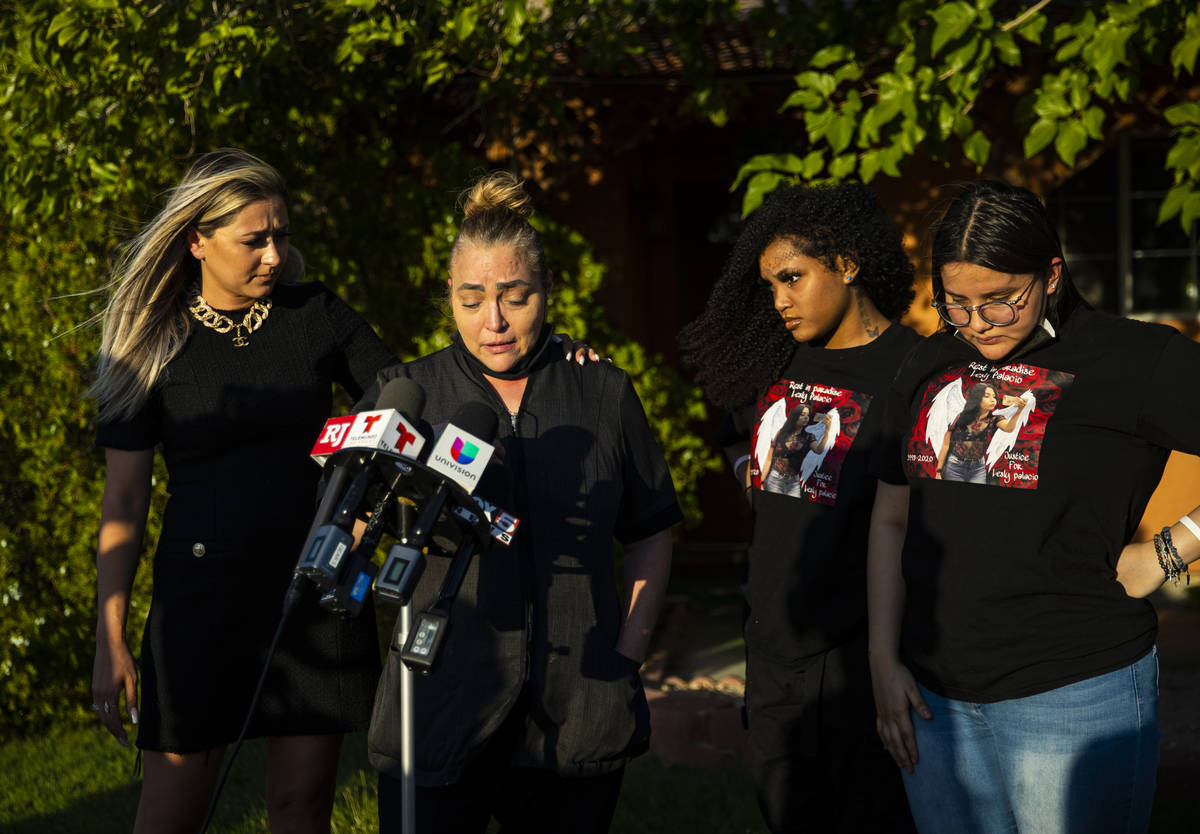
(403, 395)
(478, 419)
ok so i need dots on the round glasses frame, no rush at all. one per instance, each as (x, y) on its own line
(995, 313)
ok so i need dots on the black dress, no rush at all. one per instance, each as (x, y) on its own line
(236, 426)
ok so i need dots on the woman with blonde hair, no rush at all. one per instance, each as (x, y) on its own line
(212, 353)
(536, 704)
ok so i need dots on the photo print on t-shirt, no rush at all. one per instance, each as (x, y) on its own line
(981, 424)
(801, 438)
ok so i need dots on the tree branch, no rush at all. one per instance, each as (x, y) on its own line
(1023, 16)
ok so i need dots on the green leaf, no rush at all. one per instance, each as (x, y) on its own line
(805, 99)
(786, 162)
(1184, 113)
(1093, 122)
(1184, 156)
(946, 114)
(1123, 84)
(952, 22)
(1190, 211)
(829, 55)
(963, 124)
(63, 18)
(1107, 49)
(1051, 104)
(839, 132)
(1068, 50)
(817, 122)
(1071, 139)
(1080, 95)
(813, 162)
(760, 185)
(464, 22)
(847, 72)
(841, 166)
(1040, 135)
(1173, 202)
(1032, 29)
(889, 160)
(1183, 54)
(977, 148)
(868, 166)
(1007, 49)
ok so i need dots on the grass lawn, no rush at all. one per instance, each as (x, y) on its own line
(79, 780)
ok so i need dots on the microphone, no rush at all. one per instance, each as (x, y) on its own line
(460, 456)
(385, 427)
(461, 453)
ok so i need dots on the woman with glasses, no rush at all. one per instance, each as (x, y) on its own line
(1028, 654)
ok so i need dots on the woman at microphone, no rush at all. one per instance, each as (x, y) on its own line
(214, 354)
(536, 704)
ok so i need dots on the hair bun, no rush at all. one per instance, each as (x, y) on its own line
(498, 190)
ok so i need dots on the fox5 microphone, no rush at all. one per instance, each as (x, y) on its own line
(393, 425)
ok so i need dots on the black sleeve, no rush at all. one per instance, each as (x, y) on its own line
(362, 353)
(1169, 412)
(141, 431)
(648, 502)
(887, 454)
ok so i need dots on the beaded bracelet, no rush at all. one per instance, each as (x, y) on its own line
(1180, 565)
(1168, 566)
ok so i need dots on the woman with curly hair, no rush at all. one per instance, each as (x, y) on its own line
(804, 315)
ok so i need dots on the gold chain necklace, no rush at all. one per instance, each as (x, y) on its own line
(213, 320)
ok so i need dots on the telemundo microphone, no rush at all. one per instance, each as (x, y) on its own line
(458, 458)
(392, 426)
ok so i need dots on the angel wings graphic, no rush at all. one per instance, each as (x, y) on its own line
(768, 426)
(948, 404)
(824, 430)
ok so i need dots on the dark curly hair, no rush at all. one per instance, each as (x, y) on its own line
(738, 346)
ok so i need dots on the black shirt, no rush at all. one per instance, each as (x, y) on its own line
(805, 584)
(585, 470)
(1011, 584)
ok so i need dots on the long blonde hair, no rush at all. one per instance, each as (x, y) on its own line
(146, 320)
(496, 212)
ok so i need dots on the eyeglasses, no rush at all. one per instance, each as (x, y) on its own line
(995, 313)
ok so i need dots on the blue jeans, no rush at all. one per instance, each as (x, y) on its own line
(1080, 758)
(966, 471)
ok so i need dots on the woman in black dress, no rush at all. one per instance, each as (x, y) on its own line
(211, 352)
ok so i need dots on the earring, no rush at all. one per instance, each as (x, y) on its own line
(849, 278)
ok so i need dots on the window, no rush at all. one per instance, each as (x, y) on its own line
(1120, 259)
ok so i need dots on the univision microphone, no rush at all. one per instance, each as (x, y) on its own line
(459, 458)
(392, 426)
(460, 455)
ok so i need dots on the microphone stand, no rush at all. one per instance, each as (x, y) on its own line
(408, 777)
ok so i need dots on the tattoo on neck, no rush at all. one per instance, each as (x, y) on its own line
(865, 314)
